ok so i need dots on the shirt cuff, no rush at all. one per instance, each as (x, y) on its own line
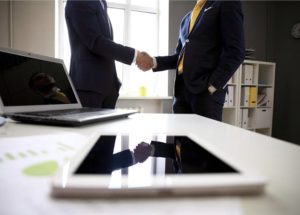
(154, 63)
(152, 150)
(135, 56)
(133, 158)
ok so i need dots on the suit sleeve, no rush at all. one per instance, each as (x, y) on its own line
(121, 160)
(165, 150)
(168, 62)
(232, 34)
(85, 20)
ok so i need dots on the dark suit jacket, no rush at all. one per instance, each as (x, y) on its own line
(192, 158)
(93, 52)
(102, 160)
(213, 50)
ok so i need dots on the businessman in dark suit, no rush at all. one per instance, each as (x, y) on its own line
(93, 53)
(210, 49)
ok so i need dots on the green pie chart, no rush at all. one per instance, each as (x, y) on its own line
(46, 168)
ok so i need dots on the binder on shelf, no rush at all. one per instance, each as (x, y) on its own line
(226, 101)
(248, 74)
(240, 122)
(269, 96)
(245, 96)
(245, 118)
(252, 96)
(230, 96)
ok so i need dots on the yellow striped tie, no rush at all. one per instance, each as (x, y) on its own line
(194, 16)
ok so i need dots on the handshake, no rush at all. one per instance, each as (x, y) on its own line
(144, 61)
(142, 152)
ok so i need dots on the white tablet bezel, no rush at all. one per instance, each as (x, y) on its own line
(66, 184)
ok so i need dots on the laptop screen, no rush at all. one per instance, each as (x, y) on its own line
(28, 81)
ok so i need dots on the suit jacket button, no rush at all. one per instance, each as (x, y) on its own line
(187, 41)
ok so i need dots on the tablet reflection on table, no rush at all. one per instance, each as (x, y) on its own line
(137, 157)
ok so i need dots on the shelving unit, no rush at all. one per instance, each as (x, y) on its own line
(249, 102)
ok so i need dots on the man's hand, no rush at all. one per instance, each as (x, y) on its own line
(211, 89)
(142, 152)
(144, 61)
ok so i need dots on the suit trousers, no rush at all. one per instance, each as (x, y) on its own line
(203, 104)
(97, 100)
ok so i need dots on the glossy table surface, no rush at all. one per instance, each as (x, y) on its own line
(25, 148)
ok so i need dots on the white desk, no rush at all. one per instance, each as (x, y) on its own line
(20, 194)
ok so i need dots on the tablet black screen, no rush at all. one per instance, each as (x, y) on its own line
(137, 157)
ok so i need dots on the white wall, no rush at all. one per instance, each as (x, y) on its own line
(33, 26)
(4, 23)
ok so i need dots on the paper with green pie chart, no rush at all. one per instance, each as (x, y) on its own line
(39, 156)
(45, 168)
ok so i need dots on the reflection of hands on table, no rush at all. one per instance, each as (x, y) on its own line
(141, 152)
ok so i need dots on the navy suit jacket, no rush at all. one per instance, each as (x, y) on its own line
(102, 160)
(93, 52)
(214, 49)
(192, 158)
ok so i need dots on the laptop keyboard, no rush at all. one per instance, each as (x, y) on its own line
(81, 111)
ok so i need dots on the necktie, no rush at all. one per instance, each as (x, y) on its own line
(194, 16)
(178, 156)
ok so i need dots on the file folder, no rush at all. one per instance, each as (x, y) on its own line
(248, 74)
(245, 118)
(226, 101)
(245, 96)
(230, 96)
(252, 96)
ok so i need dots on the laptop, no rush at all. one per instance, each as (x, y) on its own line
(38, 89)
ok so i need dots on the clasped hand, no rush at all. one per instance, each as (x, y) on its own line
(144, 61)
(142, 152)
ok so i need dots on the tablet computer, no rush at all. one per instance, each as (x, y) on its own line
(148, 165)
